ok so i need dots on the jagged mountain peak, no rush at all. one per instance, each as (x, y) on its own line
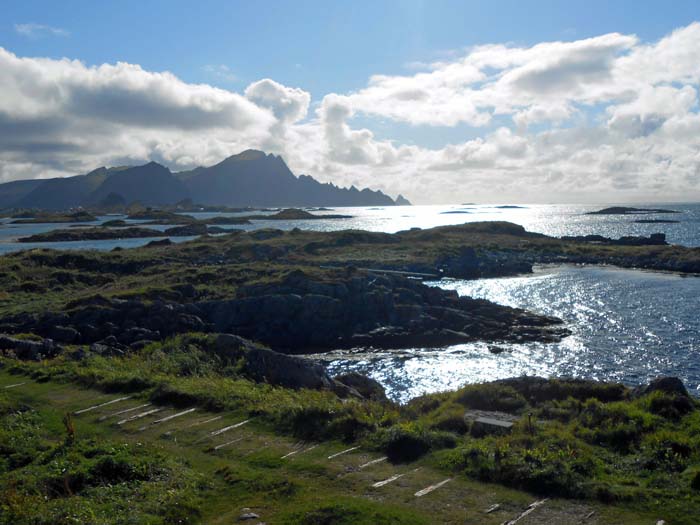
(249, 154)
(250, 178)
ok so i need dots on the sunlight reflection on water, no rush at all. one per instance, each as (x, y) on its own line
(626, 325)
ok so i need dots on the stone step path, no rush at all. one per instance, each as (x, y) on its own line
(139, 416)
(297, 448)
(120, 412)
(168, 418)
(391, 483)
(220, 431)
(192, 425)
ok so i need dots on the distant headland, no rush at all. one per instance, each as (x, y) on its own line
(251, 178)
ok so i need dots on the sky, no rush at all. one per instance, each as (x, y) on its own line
(440, 101)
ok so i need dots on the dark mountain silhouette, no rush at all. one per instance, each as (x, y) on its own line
(64, 193)
(251, 178)
(151, 183)
(12, 192)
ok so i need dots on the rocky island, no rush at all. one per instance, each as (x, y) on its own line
(622, 210)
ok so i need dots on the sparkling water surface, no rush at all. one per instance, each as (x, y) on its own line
(555, 220)
(626, 325)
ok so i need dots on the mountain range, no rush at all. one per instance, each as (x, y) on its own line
(251, 178)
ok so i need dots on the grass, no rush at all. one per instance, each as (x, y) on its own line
(592, 442)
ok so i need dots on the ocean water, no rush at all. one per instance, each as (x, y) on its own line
(627, 325)
(555, 220)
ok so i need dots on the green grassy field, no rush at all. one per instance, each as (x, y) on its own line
(92, 469)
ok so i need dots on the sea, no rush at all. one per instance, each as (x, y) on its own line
(626, 325)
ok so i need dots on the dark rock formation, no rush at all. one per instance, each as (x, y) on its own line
(301, 314)
(655, 239)
(295, 214)
(622, 210)
(187, 230)
(467, 264)
(29, 350)
(668, 385)
(92, 234)
(365, 386)
(265, 365)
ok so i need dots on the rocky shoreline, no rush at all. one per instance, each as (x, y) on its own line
(302, 292)
(299, 315)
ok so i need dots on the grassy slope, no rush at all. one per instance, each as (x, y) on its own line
(129, 476)
(579, 452)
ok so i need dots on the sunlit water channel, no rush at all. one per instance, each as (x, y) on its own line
(626, 325)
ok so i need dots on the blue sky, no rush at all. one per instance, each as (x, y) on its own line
(296, 78)
(321, 46)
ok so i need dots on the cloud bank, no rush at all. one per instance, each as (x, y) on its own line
(608, 118)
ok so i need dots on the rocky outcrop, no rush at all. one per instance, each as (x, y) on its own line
(655, 239)
(301, 314)
(365, 386)
(622, 210)
(97, 318)
(667, 385)
(265, 365)
(29, 350)
(92, 234)
(467, 264)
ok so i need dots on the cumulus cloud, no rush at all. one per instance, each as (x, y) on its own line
(62, 113)
(605, 118)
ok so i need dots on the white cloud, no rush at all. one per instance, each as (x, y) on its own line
(33, 30)
(287, 104)
(606, 118)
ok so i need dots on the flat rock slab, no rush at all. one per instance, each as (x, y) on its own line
(490, 422)
(431, 488)
(95, 407)
(299, 451)
(125, 411)
(139, 416)
(218, 447)
(393, 478)
(13, 386)
(473, 415)
(506, 425)
(342, 452)
(167, 418)
(529, 510)
(373, 462)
